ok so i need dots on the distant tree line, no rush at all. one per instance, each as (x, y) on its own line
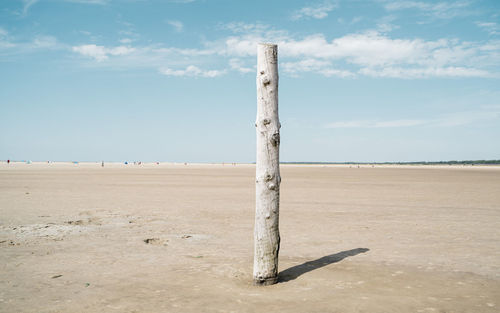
(463, 162)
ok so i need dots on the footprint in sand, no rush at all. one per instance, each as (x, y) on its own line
(156, 241)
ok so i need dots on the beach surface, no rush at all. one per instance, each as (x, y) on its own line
(179, 238)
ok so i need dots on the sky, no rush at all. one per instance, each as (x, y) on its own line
(151, 80)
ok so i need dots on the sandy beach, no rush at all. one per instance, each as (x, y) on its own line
(179, 238)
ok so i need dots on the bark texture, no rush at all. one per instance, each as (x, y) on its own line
(266, 232)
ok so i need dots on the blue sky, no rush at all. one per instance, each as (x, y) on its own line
(152, 80)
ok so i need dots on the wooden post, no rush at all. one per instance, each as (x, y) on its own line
(266, 232)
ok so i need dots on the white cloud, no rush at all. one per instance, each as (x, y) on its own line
(369, 49)
(191, 71)
(318, 11)
(448, 120)
(45, 42)
(465, 118)
(5, 43)
(27, 4)
(41, 42)
(147, 57)
(3, 34)
(385, 25)
(177, 25)
(370, 53)
(101, 53)
(126, 40)
(373, 53)
(181, 52)
(96, 52)
(435, 9)
(322, 67)
(237, 64)
(425, 72)
(240, 27)
(375, 124)
(490, 27)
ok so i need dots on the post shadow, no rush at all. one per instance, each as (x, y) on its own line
(297, 270)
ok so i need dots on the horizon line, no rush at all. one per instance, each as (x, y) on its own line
(477, 161)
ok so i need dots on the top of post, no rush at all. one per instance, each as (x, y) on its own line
(267, 44)
(267, 53)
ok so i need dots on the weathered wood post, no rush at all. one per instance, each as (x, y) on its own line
(266, 232)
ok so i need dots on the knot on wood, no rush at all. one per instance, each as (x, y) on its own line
(268, 176)
(266, 121)
(272, 186)
(265, 80)
(275, 139)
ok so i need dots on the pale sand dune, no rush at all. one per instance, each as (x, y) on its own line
(178, 238)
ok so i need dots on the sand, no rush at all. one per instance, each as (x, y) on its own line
(178, 238)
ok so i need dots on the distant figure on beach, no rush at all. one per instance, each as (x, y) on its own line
(8, 161)
(102, 164)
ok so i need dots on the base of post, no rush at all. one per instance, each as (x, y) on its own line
(265, 281)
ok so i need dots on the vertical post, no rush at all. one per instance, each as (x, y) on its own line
(266, 232)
